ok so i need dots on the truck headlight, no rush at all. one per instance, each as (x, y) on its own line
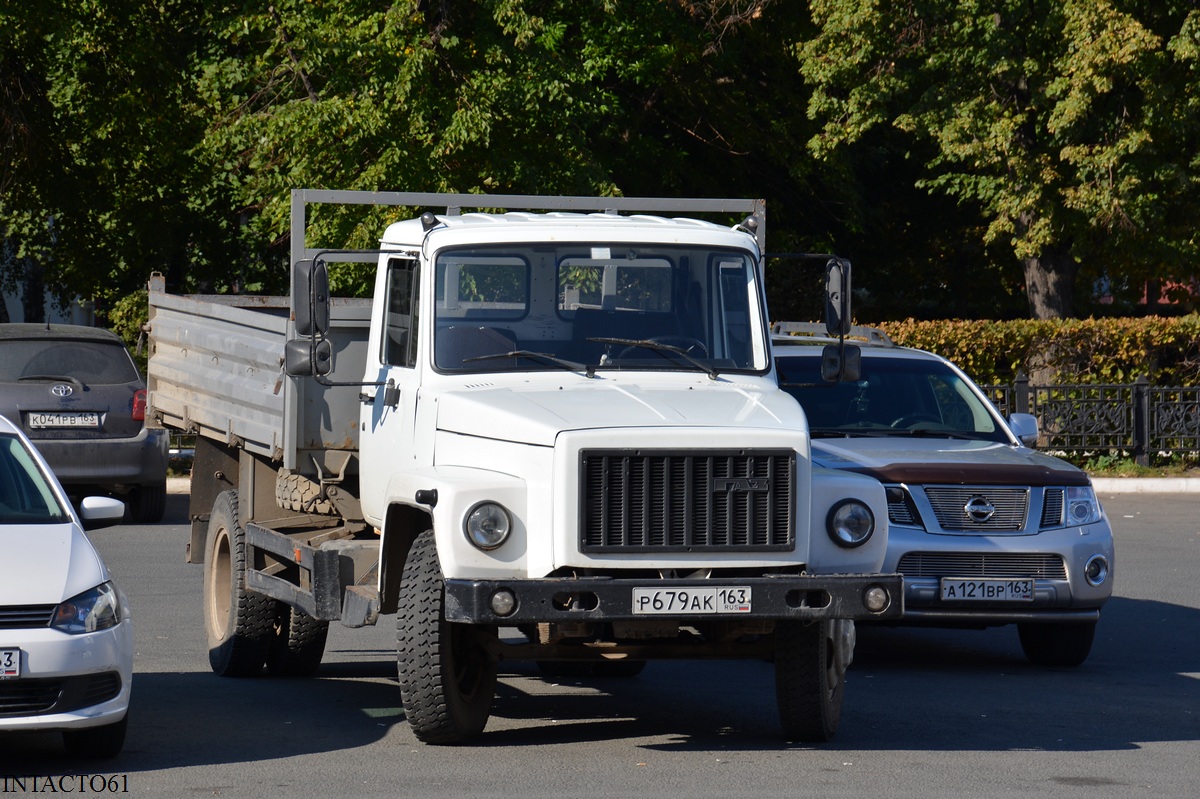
(487, 525)
(850, 523)
(1082, 505)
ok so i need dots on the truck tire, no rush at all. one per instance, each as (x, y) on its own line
(239, 622)
(147, 503)
(447, 676)
(810, 678)
(298, 645)
(1057, 643)
(298, 493)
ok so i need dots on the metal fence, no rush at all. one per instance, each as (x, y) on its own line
(1136, 418)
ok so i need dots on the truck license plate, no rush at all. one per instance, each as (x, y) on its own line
(10, 663)
(41, 421)
(691, 600)
(960, 590)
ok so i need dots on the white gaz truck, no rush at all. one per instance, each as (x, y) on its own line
(553, 433)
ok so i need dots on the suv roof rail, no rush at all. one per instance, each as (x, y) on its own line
(872, 335)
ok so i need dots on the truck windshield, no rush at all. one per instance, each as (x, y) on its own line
(590, 306)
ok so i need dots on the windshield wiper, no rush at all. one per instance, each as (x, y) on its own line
(588, 370)
(925, 432)
(75, 381)
(659, 347)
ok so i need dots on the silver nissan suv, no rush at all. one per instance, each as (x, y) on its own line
(77, 394)
(985, 530)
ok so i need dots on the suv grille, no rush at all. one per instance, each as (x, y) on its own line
(966, 508)
(686, 501)
(973, 564)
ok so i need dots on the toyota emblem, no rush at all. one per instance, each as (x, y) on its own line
(61, 390)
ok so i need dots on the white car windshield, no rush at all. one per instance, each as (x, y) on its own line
(893, 396)
(25, 493)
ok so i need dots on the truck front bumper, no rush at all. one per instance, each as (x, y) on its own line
(807, 598)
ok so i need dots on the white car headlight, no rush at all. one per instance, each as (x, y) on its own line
(96, 609)
(850, 523)
(1082, 505)
(487, 525)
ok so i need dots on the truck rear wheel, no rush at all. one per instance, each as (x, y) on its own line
(298, 645)
(447, 675)
(239, 622)
(810, 668)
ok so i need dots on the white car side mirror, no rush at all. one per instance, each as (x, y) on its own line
(97, 512)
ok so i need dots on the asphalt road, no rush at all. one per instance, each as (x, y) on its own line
(929, 713)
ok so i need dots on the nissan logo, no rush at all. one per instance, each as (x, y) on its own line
(726, 485)
(979, 509)
(61, 390)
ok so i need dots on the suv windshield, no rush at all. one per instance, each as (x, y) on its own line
(894, 396)
(593, 306)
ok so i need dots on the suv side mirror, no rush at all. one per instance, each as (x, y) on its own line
(1025, 427)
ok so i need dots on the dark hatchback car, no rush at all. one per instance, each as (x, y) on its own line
(80, 399)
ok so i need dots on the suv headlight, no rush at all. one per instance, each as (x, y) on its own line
(487, 525)
(1082, 505)
(850, 523)
(93, 610)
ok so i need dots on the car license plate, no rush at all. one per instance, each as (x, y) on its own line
(960, 590)
(42, 421)
(10, 663)
(691, 600)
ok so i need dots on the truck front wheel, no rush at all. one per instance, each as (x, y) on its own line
(810, 670)
(239, 622)
(447, 675)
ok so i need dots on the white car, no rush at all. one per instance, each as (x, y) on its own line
(66, 639)
(985, 530)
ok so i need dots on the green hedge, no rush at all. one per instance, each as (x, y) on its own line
(1166, 350)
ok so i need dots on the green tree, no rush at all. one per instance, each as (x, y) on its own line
(1069, 125)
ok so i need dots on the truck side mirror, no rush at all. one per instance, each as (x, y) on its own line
(303, 357)
(837, 297)
(310, 298)
(840, 362)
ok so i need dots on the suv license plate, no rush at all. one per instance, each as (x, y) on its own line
(41, 421)
(959, 590)
(10, 663)
(691, 601)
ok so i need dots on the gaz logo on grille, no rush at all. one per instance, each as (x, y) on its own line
(726, 485)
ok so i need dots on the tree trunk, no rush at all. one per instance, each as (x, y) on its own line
(1050, 284)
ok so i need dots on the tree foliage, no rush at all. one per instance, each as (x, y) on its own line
(946, 139)
(1069, 125)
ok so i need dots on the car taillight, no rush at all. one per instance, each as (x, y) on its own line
(139, 405)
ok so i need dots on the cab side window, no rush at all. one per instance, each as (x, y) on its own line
(400, 325)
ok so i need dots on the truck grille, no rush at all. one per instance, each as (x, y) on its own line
(687, 501)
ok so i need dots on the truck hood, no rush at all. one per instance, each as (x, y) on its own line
(44, 564)
(947, 461)
(532, 415)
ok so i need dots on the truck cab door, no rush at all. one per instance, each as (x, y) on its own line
(387, 430)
